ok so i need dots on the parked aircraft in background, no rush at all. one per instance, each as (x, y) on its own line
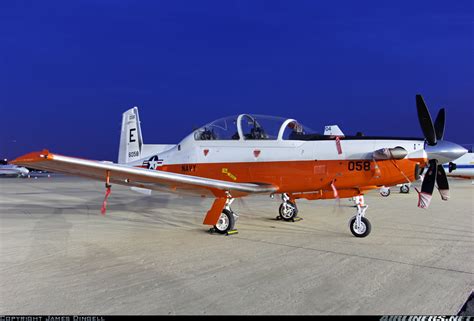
(462, 167)
(250, 154)
(404, 189)
(13, 170)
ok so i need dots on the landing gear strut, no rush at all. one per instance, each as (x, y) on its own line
(358, 224)
(288, 210)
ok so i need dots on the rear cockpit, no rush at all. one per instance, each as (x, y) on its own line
(252, 127)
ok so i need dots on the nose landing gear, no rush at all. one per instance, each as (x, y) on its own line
(358, 224)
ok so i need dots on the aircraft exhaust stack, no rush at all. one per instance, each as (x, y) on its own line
(390, 153)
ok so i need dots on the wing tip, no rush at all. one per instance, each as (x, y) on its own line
(32, 157)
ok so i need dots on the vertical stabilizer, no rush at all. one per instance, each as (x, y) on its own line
(131, 140)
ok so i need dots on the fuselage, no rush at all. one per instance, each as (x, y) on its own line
(294, 165)
(285, 154)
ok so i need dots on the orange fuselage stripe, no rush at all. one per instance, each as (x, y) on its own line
(303, 176)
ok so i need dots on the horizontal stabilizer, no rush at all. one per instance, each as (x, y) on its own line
(333, 130)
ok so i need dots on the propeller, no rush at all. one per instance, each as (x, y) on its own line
(426, 123)
(427, 186)
(440, 124)
(434, 133)
(442, 182)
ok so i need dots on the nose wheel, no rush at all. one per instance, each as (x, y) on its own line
(358, 224)
(361, 228)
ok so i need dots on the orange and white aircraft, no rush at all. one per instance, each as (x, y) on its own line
(249, 154)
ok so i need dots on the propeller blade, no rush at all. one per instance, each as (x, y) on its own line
(427, 187)
(442, 181)
(440, 123)
(426, 123)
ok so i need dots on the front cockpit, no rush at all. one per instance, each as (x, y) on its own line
(252, 127)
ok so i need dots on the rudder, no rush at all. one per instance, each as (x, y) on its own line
(131, 140)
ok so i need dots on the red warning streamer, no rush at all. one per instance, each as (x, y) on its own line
(336, 194)
(338, 145)
(104, 204)
(108, 190)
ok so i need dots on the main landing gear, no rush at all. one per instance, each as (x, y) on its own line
(358, 224)
(227, 220)
(288, 210)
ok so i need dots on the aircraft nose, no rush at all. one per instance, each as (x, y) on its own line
(445, 151)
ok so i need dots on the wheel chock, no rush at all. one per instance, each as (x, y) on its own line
(296, 219)
(211, 230)
(231, 232)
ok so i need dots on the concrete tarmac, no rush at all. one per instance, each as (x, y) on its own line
(152, 255)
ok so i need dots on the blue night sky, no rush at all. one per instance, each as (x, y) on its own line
(68, 69)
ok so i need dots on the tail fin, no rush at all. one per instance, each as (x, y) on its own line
(131, 140)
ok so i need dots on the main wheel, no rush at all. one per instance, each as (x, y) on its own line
(364, 228)
(288, 212)
(405, 189)
(385, 192)
(225, 223)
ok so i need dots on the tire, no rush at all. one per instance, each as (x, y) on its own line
(405, 189)
(367, 227)
(385, 194)
(289, 215)
(226, 222)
